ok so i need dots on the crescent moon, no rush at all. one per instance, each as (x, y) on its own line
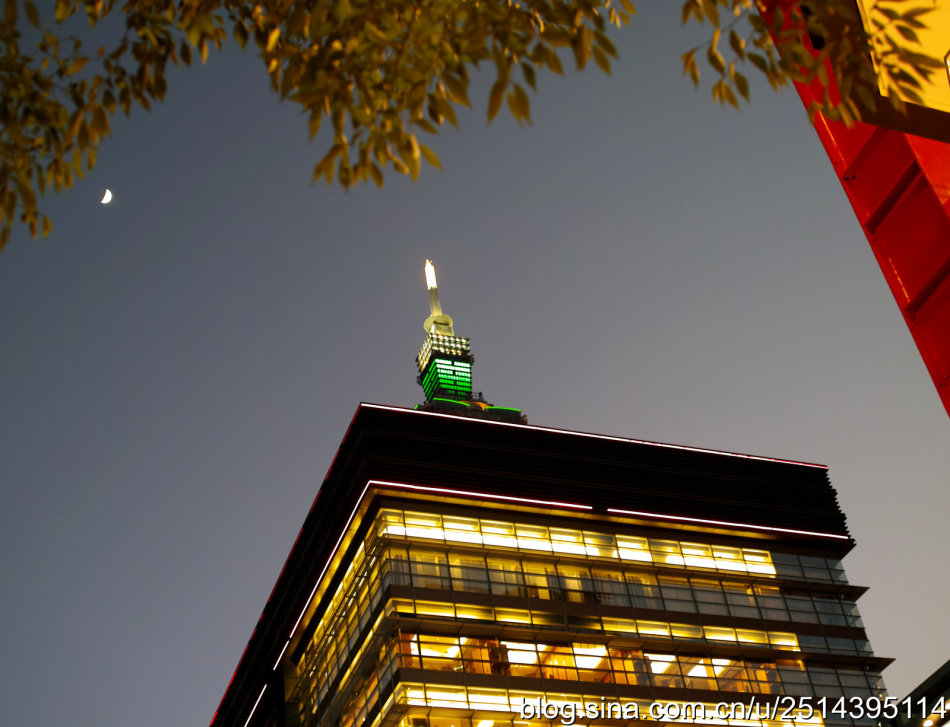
(107, 197)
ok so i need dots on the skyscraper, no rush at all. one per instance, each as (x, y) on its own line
(460, 568)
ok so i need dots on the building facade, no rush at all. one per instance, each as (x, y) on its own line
(453, 569)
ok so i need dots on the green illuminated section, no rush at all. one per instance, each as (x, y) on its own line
(446, 376)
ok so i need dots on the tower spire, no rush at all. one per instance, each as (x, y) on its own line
(445, 366)
(437, 322)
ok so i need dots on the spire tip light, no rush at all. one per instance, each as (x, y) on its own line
(430, 276)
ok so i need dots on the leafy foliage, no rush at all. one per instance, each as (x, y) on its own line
(378, 71)
(802, 41)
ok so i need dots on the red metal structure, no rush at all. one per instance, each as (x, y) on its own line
(899, 186)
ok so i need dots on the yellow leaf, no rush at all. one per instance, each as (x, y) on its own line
(688, 10)
(729, 96)
(9, 204)
(457, 90)
(272, 39)
(73, 128)
(410, 155)
(77, 162)
(495, 98)
(325, 165)
(100, 120)
(76, 66)
(715, 58)
(399, 166)
(519, 105)
(82, 138)
(528, 70)
(426, 126)
(430, 156)
(316, 119)
(31, 15)
(27, 196)
(523, 102)
(742, 86)
(759, 62)
(445, 108)
(240, 34)
(736, 43)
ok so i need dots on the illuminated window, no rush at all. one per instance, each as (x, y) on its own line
(520, 536)
(459, 555)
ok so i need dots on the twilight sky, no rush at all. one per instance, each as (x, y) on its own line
(180, 366)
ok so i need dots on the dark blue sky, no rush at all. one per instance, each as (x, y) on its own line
(180, 366)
